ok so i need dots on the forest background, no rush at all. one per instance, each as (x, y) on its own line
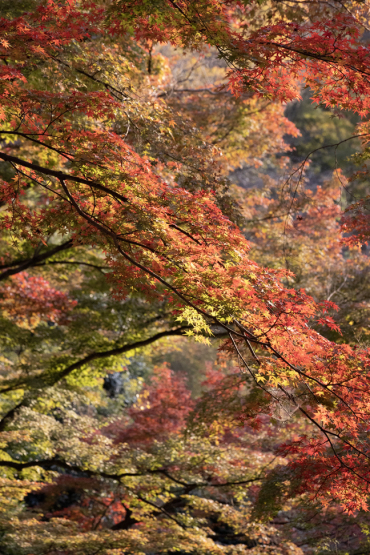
(184, 285)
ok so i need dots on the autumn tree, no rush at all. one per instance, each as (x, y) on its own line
(121, 122)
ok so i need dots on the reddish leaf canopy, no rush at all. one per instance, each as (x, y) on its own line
(161, 239)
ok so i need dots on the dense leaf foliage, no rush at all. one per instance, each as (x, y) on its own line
(121, 124)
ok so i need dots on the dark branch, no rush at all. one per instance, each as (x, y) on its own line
(60, 175)
(34, 261)
(119, 350)
(127, 522)
(8, 417)
(98, 355)
(55, 462)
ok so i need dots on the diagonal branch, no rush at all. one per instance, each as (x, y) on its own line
(119, 350)
(99, 355)
(60, 175)
(36, 260)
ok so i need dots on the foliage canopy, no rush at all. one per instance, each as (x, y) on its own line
(122, 123)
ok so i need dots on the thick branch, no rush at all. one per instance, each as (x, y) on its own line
(8, 417)
(55, 462)
(34, 261)
(126, 523)
(60, 175)
(101, 354)
(49, 464)
(119, 350)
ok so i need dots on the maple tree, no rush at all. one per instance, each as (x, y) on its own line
(116, 151)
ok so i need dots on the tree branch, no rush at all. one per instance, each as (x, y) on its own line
(48, 464)
(60, 175)
(35, 260)
(120, 350)
(101, 354)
